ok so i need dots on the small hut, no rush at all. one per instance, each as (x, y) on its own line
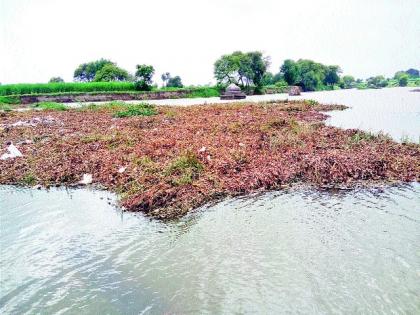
(233, 92)
(294, 90)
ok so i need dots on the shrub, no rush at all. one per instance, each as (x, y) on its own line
(50, 106)
(403, 80)
(142, 85)
(56, 80)
(186, 169)
(175, 82)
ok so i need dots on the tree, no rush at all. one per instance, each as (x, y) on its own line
(175, 82)
(143, 76)
(110, 72)
(56, 80)
(165, 77)
(403, 80)
(290, 72)
(258, 67)
(86, 71)
(309, 75)
(268, 79)
(377, 82)
(347, 82)
(242, 69)
(331, 75)
(398, 74)
(414, 73)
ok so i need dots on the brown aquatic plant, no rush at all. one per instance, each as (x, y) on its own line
(179, 158)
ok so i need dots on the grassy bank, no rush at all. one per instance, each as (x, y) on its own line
(165, 161)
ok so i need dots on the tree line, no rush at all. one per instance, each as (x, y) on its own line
(104, 70)
(248, 70)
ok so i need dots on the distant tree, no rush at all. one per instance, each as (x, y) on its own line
(290, 72)
(165, 77)
(56, 80)
(403, 80)
(311, 74)
(414, 73)
(268, 79)
(242, 69)
(175, 82)
(110, 72)
(86, 72)
(347, 82)
(258, 66)
(331, 75)
(143, 77)
(376, 82)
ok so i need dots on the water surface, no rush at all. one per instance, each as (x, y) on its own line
(291, 252)
(73, 252)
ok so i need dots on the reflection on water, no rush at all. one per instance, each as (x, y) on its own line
(287, 252)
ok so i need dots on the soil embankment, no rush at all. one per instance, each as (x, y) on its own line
(103, 97)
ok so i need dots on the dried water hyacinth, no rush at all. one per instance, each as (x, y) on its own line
(174, 159)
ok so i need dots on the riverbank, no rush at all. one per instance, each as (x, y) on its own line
(175, 159)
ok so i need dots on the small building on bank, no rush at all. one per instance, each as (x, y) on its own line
(233, 92)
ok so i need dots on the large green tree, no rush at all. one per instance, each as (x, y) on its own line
(332, 75)
(243, 69)
(175, 82)
(290, 72)
(308, 74)
(143, 76)
(110, 72)
(86, 71)
(347, 82)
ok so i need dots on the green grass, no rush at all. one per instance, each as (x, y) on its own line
(47, 88)
(50, 106)
(186, 167)
(9, 99)
(204, 92)
(141, 109)
(5, 107)
(94, 87)
(29, 179)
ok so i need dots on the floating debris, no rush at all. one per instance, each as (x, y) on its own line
(13, 153)
(86, 180)
(206, 152)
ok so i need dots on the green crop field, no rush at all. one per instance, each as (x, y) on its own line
(48, 88)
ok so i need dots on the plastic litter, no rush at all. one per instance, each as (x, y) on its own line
(13, 153)
(86, 180)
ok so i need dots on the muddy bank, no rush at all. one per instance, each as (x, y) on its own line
(177, 159)
(104, 97)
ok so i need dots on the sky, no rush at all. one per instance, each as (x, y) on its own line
(40, 39)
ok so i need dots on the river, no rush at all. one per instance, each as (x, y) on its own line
(290, 252)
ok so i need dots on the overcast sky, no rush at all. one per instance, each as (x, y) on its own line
(44, 38)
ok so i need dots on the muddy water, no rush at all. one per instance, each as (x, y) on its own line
(308, 252)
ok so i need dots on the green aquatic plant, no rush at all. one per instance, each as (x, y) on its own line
(142, 109)
(50, 106)
(186, 168)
